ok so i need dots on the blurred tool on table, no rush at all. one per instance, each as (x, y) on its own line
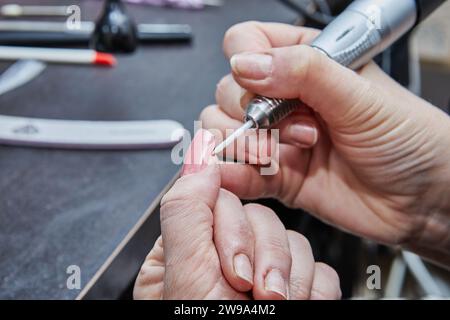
(15, 10)
(185, 4)
(114, 31)
(53, 34)
(19, 74)
(53, 55)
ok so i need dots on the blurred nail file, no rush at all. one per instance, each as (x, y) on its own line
(54, 33)
(20, 73)
(15, 10)
(184, 4)
(28, 25)
(51, 55)
(76, 134)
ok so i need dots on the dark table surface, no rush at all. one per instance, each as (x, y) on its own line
(60, 208)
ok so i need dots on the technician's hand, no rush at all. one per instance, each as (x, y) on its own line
(380, 165)
(212, 247)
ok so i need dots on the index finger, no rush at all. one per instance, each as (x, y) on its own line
(259, 36)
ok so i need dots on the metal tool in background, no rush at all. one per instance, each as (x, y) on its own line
(363, 30)
(16, 10)
(114, 31)
(87, 27)
(183, 4)
(40, 33)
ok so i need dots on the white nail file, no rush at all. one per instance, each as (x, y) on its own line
(75, 134)
(20, 73)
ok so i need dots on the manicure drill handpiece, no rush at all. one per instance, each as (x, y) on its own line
(359, 33)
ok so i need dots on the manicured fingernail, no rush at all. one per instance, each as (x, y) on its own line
(200, 153)
(304, 134)
(256, 66)
(243, 267)
(274, 282)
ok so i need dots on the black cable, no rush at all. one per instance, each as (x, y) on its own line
(319, 11)
(426, 7)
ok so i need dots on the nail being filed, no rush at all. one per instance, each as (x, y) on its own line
(261, 113)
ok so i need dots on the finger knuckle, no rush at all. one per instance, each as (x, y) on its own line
(236, 31)
(256, 208)
(240, 236)
(299, 239)
(279, 248)
(301, 286)
(365, 101)
(307, 61)
(179, 205)
(329, 272)
(245, 235)
(228, 196)
(207, 113)
(172, 193)
(222, 88)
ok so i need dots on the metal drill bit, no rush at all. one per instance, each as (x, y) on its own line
(15, 10)
(220, 147)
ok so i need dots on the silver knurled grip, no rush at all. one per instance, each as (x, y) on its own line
(264, 112)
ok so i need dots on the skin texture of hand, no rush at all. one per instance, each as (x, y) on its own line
(363, 154)
(213, 247)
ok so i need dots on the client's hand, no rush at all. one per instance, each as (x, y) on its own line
(213, 247)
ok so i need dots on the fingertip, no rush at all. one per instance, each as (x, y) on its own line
(326, 283)
(230, 96)
(207, 112)
(243, 36)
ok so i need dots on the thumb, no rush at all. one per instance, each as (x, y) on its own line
(300, 71)
(186, 209)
